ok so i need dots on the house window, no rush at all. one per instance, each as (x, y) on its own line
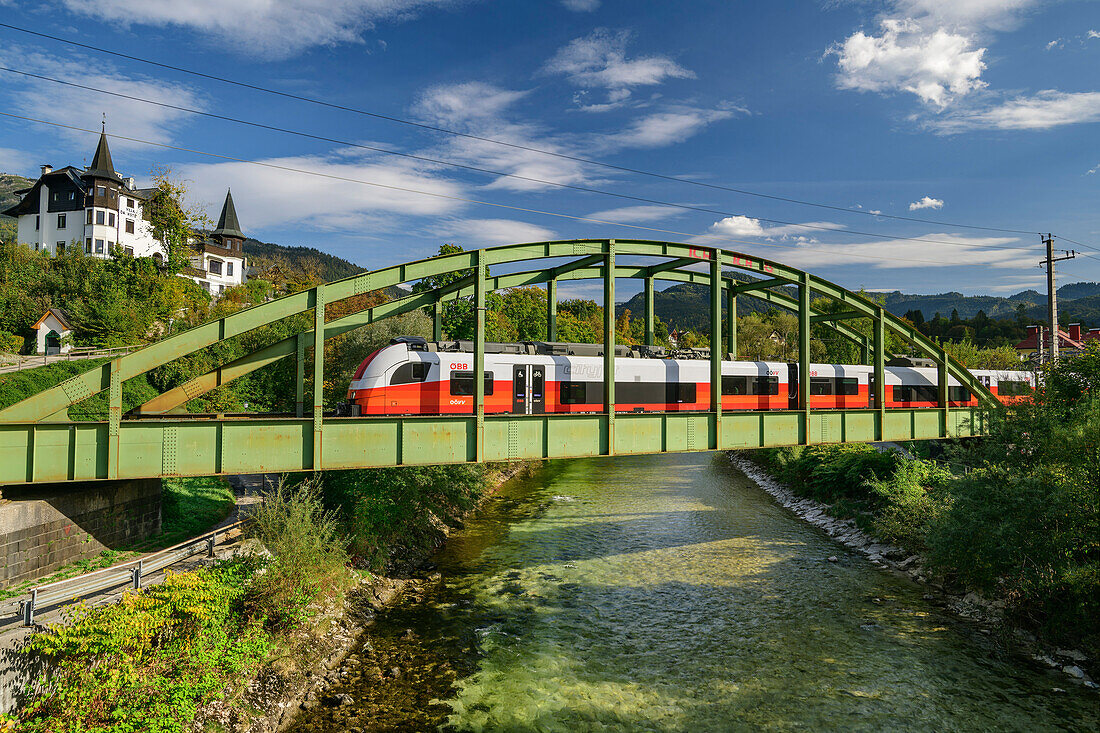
(215, 267)
(110, 219)
(229, 269)
(60, 221)
(88, 245)
(206, 286)
(110, 247)
(37, 222)
(89, 217)
(72, 195)
(130, 203)
(101, 190)
(36, 246)
(129, 226)
(100, 217)
(99, 246)
(60, 248)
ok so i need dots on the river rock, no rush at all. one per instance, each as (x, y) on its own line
(1073, 654)
(904, 564)
(1074, 671)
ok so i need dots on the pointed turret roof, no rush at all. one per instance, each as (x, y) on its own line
(228, 226)
(102, 165)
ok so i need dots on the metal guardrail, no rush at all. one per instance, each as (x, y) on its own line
(71, 589)
(30, 361)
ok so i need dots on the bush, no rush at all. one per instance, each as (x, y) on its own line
(149, 661)
(911, 498)
(396, 508)
(10, 343)
(308, 556)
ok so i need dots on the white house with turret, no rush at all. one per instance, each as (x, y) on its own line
(95, 209)
(98, 210)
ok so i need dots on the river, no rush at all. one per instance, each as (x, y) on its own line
(670, 593)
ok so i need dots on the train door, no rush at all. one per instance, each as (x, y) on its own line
(528, 389)
(792, 387)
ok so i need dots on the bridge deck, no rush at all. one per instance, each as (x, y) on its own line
(57, 452)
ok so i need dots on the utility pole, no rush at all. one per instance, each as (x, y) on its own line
(1052, 294)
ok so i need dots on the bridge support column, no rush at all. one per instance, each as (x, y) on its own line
(609, 343)
(804, 354)
(552, 310)
(318, 373)
(731, 324)
(865, 351)
(437, 320)
(716, 344)
(114, 418)
(300, 376)
(943, 386)
(479, 356)
(879, 355)
(649, 321)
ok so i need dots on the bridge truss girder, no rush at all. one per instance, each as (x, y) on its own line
(107, 450)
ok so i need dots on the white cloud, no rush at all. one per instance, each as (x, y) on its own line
(926, 203)
(581, 6)
(84, 108)
(599, 61)
(975, 15)
(1093, 34)
(1093, 170)
(958, 251)
(1056, 43)
(636, 214)
(271, 28)
(745, 226)
(267, 197)
(663, 128)
(476, 232)
(488, 111)
(1043, 110)
(938, 67)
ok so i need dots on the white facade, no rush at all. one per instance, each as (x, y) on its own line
(52, 334)
(220, 269)
(96, 229)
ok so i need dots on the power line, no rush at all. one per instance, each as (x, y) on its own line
(438, 161)
(405, 189)
(1079, 244)
(517, 146)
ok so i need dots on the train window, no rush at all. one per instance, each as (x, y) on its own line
(958, 394)
(415, 371)
(1007, 388)
(676, 392)
(735, 385)
(643, 393)
(462, 383)
(821, 386)
(765, 385)
(572, 393)
(916, 393)
(846, 386)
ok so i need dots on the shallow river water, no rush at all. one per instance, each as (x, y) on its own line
(670, 593)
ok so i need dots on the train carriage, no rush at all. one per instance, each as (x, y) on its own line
(416, 377)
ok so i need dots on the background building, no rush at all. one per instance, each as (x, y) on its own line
(217, 260)
(95, 209)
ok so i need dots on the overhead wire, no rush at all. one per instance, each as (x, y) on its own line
(448, 197)
(464, 166)
(494, 141)
(1079, 244)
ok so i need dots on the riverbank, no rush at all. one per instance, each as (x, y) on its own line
(987, 614)
(312, 658)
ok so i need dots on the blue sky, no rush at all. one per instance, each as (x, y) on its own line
(983, 112)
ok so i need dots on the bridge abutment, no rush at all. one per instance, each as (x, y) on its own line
(46, 526)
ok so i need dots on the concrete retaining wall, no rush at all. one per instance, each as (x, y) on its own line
(43, 528)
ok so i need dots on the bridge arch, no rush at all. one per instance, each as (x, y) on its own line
(43, 417)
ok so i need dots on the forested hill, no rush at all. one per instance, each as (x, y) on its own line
(264, 255)
(9, 184)
(687, 306)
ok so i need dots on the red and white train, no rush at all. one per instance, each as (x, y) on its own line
(412, 376)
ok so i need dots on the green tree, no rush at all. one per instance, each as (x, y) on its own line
(173, 220)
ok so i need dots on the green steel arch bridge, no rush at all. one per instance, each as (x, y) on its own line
(39, 444)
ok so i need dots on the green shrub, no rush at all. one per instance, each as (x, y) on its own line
(10, 343)
(393, 508)
(910, 499)
(308, 556)
(149, 661)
